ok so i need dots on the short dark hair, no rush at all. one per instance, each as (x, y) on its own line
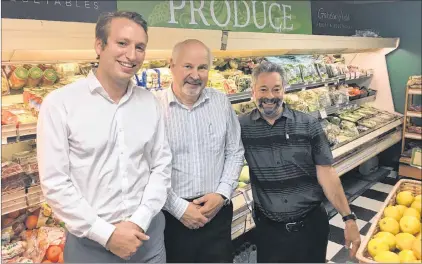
(102, 29)
(268, 67)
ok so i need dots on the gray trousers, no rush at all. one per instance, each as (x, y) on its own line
(84, 250)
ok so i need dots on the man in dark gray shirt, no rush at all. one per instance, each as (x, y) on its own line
(290, 165)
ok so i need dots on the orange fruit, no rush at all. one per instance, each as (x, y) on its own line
(31, 221)
(61, 260)
(53, 253)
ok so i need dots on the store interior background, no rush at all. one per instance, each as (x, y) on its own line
(390, 19)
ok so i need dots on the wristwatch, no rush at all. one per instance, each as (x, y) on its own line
(226, 201)
(350, 216)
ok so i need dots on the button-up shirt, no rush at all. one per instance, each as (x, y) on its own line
(102, 162)
(282, 159)
(206, 146)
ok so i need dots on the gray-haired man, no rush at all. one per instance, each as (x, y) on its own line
(290, 164)
(103, 155)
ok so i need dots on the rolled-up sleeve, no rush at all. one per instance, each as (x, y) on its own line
(59, 191)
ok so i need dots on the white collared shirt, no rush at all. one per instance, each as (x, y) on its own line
(206, 145)
(102, 162)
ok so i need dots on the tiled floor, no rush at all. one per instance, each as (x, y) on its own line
(365, 207)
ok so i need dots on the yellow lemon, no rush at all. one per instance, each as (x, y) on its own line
(393, 212)
(401, 208)
(418, 198)
(389, 224)
(416, 248)
(387, 257)
(410, 224)
(412, 212)
(406, 256)
(416, 205)
(404, 241)
(405, 198)
(389, 238)
(419, 236)
(377, 245)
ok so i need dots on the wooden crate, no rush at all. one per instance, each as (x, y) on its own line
(414, 187)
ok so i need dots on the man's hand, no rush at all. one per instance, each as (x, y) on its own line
(352, 236)
(126, 239)
(212, 203)
(193, 218)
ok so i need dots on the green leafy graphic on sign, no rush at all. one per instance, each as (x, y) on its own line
(289, 17)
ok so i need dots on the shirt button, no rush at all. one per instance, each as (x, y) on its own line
(278, 162)
(285, 200)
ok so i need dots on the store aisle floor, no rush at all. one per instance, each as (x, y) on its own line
(365, 207)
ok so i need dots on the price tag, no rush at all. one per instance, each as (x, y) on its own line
(304, 88)
(416, 158)
(323, 113)
(326, 84)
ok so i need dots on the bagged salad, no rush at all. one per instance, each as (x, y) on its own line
(307, 69)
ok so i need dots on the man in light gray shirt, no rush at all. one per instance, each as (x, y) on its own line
(204, 136)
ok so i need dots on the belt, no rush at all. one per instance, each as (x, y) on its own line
(295, 225)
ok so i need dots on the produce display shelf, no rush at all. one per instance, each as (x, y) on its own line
(366, 152)
(21, 199)
(8, 139)
(246, 96)
(414, 114)
(413, 135)
(406, 170)
(415, 91)
(365, 137)
(326, 82)
(336, 108)
(239, 97)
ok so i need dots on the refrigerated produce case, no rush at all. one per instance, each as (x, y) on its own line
(62, 45)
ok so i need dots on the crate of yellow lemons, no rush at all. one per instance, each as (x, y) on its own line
(399, 236)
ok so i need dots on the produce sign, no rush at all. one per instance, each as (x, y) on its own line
(288, 17)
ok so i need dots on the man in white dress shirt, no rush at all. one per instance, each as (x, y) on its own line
(204, 136)
(103, 155)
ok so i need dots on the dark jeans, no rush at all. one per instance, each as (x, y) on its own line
(306, 243)
(211, 243)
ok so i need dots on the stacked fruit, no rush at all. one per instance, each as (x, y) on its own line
(400, 236)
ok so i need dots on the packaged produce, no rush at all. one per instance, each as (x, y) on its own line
(321, 69)
(12, 176)
(415, 108)
(350, 116)
(35, 75)
(334, 120)
(311, 98)
(307, 69)
(5, 89)
(292, 73)
(349, 129)
(362, 129)
(338, 96)
(12, 250)
(18, 78)
(331, 131)
(323, 97)
(49, 77)
(244, 83)
(229, 86)
(332, 70)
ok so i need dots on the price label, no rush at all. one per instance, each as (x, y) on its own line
(304, 88)
(323, 113)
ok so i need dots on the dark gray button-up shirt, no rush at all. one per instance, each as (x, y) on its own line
(282, 159)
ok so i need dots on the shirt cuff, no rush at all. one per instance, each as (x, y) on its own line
(225, 189)
(178, 207)
(101, 231)
(142, 217)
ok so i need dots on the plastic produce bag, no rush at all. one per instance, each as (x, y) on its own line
(311, 99)
(349, 129)
(308, 71)
(323, 97)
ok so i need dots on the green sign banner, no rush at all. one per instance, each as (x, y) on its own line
(287, 17)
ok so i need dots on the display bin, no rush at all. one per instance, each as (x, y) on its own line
(414, 187)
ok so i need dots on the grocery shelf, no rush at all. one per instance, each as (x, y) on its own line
(326, 82)
(415, 91)
(414, 114)
(413, 135)
(366, 152)
(336, 108)
(239, 97)
(406, 170)
(405, 160)
(21, 199)
(365, 138)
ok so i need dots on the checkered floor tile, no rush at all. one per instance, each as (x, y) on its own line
(365, 207)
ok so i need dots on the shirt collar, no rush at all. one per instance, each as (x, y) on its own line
(95, 85)
(287, 112)
(171, 97)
